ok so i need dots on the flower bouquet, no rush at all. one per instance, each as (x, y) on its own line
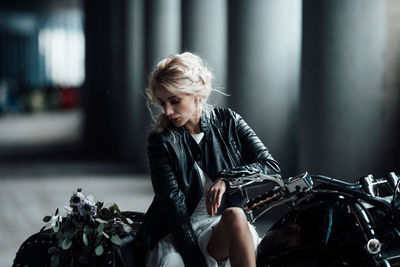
(86, 231)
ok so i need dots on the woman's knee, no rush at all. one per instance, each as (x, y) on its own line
(234, 219)
(172, 259)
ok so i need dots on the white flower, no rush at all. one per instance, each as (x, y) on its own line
(54, 219)
(87, 206)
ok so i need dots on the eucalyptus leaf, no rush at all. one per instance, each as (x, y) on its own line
(100, 228)
(106, 235)
(60, 236)
(100, 220)
(99, 250)
(52, 250)
(88, 230)
(55, 259)
(117, 210)
(85, 239)
(116, 240)
(69, 234)
(66, 243)
(56, 227)
(47, 218)
(77, 222)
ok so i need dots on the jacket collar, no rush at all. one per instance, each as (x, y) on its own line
(205, 119)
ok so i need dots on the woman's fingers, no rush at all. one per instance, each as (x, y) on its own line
(214, 196)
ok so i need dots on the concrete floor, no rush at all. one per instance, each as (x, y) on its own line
(29, 196)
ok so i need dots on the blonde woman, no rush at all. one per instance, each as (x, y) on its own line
(189, 223)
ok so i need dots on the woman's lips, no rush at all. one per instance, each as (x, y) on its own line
(175, 120)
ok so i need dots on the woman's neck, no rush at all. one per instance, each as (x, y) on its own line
(193, 125)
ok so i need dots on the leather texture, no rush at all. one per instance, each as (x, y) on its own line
(228, 144)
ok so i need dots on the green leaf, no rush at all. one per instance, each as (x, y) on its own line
(69, 234)
(55, 259)
(100, 228)
(99, 250)
(88, 230)
(100, 220)
(47, 218)
(106, 235)
(85, 239)
(56, 227)
(116, 240)
(77, 222)
(52, 250)
(117, 210)
(66, 243)
(129, 220)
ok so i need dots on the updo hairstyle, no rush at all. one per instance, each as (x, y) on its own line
(179, 73)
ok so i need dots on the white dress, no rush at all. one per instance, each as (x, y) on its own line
(165, 254)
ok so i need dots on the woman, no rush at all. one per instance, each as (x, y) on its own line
(189, 222)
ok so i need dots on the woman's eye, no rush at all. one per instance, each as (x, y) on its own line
(175, 102)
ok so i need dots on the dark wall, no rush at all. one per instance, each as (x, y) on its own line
(349, 90)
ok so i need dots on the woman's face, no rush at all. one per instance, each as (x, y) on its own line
(180, 108)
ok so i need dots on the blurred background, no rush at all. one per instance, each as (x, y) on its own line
(318, 81)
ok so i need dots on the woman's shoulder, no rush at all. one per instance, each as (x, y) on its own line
(223, 114)
(164, 136)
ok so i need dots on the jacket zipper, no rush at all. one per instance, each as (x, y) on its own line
(227, 148)
(238, 152)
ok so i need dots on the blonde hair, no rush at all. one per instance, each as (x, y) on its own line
(179, 73)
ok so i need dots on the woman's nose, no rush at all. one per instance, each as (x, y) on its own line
(168, 110)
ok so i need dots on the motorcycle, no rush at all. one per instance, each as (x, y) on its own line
(325, 222)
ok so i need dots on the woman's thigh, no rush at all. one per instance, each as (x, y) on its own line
(232, 220)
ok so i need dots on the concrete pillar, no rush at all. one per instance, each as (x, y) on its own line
(349, 79)
(113, 93)
(264, 61)
(205, 32)
(163, 30)
(98, 79)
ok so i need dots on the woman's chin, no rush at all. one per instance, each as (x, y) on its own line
(178, 122)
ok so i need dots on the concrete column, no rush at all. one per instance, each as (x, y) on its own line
(163, 30)
(205, 32)
(264, 61)
(132, 104)
(349, 79)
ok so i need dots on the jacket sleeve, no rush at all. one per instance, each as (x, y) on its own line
(171, 200)
(254, 153)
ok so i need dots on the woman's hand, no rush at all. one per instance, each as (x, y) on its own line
(214, 196)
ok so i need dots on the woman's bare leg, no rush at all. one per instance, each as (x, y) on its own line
(232, 239)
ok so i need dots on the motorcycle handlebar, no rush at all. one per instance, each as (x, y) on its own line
(364, 189)
(335, 182)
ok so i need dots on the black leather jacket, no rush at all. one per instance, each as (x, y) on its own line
(230, 144)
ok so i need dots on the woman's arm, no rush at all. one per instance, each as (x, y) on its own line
(254, 153)
(171, 200)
